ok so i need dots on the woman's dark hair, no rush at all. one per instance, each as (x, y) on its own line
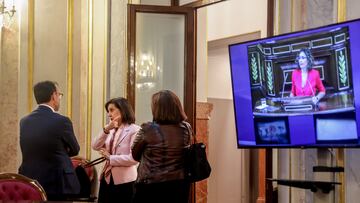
(166, 108)
(43, 91)
(309, 58)
(127, 112)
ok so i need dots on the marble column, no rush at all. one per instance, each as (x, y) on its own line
(117, 78)
(203, 111)
(9, 79)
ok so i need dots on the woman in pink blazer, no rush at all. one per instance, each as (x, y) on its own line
(305, 80)
(114, 143)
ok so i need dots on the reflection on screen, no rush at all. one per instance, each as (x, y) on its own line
(272, 132)
(335, 129)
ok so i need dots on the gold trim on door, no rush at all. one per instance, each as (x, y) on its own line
(31, 17)
(89, 79)
(70, 28)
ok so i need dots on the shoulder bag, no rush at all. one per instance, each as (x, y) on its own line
(197, 166)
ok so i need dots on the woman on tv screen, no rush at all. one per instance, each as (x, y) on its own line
(306, 80)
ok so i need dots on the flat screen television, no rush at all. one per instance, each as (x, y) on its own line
(299, 89)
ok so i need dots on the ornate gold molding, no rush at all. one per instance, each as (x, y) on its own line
(31, 14)
(341, 10)
(341, 16)
(89, 80)
(106, 22)
(70, 28)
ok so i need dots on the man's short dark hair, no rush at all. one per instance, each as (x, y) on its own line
(126, 110)
(43, 91)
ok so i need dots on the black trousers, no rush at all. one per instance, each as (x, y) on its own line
(115, 193)
(176, 191)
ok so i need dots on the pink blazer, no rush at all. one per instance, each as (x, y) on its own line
(123, 166)
(312, 86)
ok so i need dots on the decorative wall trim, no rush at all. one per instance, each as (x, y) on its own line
(106, 47)
(69, 76)
(31, 38)
(341, 16)
(341, 10)
(89, 80)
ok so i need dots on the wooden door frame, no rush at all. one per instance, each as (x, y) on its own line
(190, 54)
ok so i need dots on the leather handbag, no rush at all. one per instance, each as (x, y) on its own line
(84, 179)
(197, 166)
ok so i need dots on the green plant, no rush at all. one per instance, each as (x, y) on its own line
(269, 75)
(254, 68)
(342, 69)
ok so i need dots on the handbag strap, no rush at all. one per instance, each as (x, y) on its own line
(94, 162)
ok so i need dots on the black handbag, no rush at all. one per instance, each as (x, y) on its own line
(84, 180)
(197, 166)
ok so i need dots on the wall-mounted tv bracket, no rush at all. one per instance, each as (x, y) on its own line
(314, 186)
(331, 169)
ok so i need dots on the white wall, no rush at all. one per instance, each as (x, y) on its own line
(228, 19)
(219, 82)
(50, 49)
(201, 56)
(229, 181)
(352, 9)
(235, 17)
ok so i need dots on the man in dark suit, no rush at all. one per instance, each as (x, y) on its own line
(47, 141)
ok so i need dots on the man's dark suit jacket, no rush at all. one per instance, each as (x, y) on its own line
(47, 141)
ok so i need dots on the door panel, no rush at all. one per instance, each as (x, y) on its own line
(161, 56)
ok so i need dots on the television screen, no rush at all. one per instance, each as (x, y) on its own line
(298, 89)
